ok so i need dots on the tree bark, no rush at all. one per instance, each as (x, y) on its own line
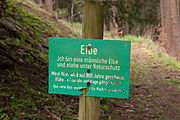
(162, 7)
(40, 3)
(49, 5)
(72, 11)
(175, 29)
(170, 18)
(127, 18)
(56, 8)
(113, 25)
(143, 9)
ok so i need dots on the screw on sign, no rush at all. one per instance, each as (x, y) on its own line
(88, 83)
(88, 71)
(89, 46)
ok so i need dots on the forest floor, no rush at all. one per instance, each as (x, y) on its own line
(154, 82)
(155, 85)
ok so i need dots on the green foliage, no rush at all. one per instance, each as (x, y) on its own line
(174, 81)
(9, 10)
(137, 96)
(76, 27)
(141, 107)
(18, 42)
(64, 11)
(44, 56)
(156, 94)
(31, 3)
(170, 80)
(139, 40)
(178, 87)
(164, 57)
(22, 97)
(30, 22)
(105, 108)
(29, 32)
(135, 84)
(25, 103)
(18, 74)
(159, 56)
(170, 61)
(4, 116)
(159, 111)
(22, 106)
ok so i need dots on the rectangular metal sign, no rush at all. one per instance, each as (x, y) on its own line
(104, 64)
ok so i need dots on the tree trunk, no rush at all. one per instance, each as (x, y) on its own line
(40, 3)
(127, 18)
(175, 28)
(143, 9)
(56, 8)
(113, 25)
(163, 11)
(49, 5)
(170, 18)
(72, 11)
(56, 4)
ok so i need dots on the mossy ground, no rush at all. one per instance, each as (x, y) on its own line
(24, 59)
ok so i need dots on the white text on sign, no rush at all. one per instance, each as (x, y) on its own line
(84, 50)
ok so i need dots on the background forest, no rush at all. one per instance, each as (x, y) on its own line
(122, 17)
(158, 20)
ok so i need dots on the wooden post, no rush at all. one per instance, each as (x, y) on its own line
(93, 26)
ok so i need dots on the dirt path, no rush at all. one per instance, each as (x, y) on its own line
(151, 96)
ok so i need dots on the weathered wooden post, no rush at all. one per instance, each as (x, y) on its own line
(93, 26)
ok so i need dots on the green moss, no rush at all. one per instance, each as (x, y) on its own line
(76, 27)
(4, 116)
(137, 96)
(141, 107)
(178, 87)
(161, 70)
(105, 108)
(158, 56)
(169, 61)
(174, 81)
(37, 65)
(44, 56)
(31, 4)
(139, 40)
(158, 113)
(170, 80)
(156, 94)
(135, 84)
(38, 27)
(25, 103)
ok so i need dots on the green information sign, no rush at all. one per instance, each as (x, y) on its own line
(104, 64)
